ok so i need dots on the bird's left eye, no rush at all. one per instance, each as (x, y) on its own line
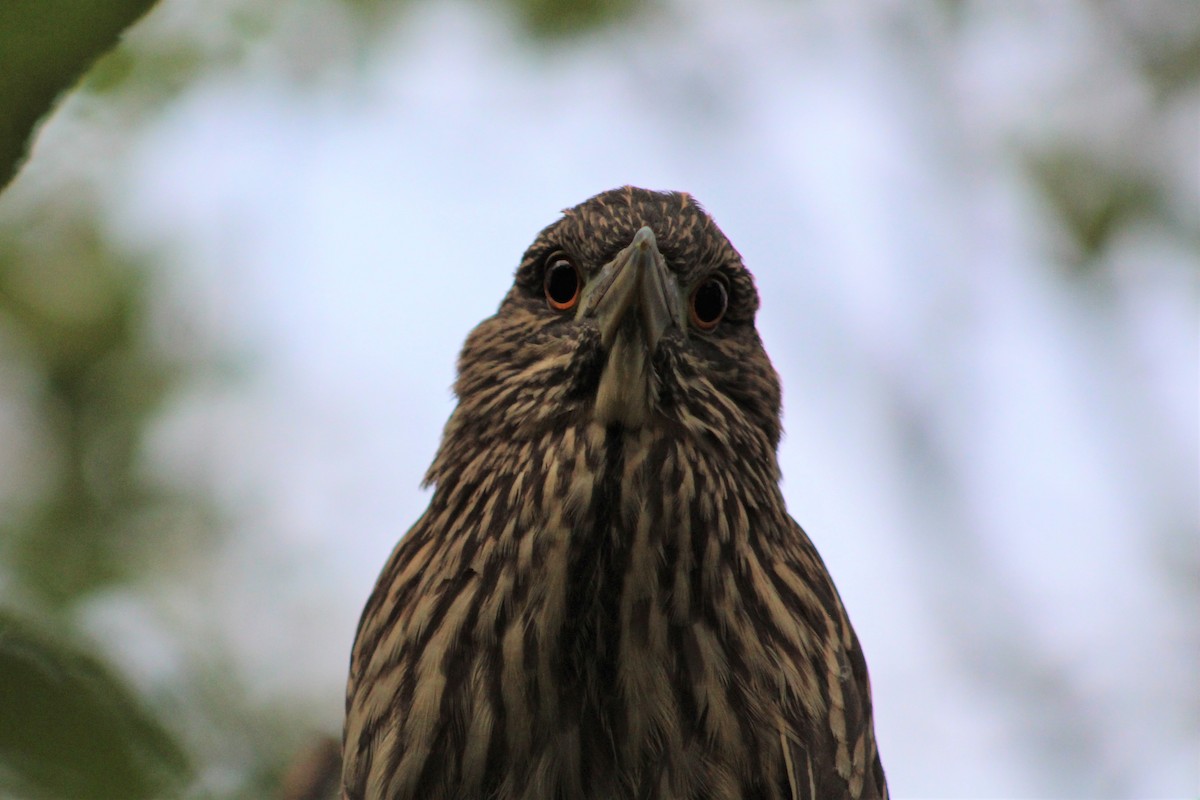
(709, 301)
(561, 283)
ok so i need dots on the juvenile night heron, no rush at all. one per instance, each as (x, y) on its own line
(606, 597)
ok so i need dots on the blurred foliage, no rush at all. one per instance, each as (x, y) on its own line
(74, 311)
(1164, 37)
(551, 18)
(80, 372)
(73, 729)
(1096, 188)
(44, 47)
(1093, 200)
(87, 380)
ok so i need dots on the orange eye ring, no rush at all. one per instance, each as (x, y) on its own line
(708, 303)
(562, 283)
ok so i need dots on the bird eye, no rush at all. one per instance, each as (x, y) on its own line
(709, 301)
(561, 283)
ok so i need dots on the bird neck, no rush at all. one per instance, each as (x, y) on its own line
(601, 524)
(613, 572)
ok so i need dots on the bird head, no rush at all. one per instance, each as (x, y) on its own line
(632, 310)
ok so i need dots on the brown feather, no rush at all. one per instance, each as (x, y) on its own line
(600, 611)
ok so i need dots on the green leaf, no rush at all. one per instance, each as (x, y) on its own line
(72, 729)
(45, 46)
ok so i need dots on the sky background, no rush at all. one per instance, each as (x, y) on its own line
(991, 435)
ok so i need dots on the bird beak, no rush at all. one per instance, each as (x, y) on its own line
(635, 300)
(637, 277)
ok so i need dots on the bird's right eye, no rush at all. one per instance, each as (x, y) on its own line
(562, 283)
(709, 302)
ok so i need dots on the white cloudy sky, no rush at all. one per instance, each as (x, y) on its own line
(992, 458)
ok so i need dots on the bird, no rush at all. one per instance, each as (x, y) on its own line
(606, 596)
